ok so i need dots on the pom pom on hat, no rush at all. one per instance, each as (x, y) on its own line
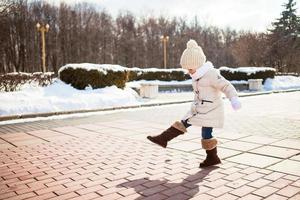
(191, 44)
(193, 56)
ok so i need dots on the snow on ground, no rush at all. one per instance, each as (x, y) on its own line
(62, 97)
(282, 83)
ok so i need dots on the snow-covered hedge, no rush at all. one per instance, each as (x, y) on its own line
(136, 74)
(98, 76)
(245, 73)
(83, 75)
(13, 81)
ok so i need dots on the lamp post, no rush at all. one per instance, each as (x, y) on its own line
(164, 40)
(43, 30)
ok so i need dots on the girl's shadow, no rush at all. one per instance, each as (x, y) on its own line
(189, 182)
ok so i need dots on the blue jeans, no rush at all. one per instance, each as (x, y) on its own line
(206, 131)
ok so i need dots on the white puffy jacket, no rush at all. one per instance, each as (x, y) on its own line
(207, 110)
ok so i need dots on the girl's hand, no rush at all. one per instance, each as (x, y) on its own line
(235, 103)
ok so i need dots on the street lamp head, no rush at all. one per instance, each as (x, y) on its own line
(164, 38)
(38, 26)
(47, 27)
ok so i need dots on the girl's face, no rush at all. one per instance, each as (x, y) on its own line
(192, 71)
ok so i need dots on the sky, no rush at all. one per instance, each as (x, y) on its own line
(251, 15)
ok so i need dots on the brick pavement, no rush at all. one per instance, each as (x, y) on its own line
(104, 161)
(109, 158)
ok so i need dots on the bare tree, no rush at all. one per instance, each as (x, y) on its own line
(249, 49)
(5, 7)
(81, 33)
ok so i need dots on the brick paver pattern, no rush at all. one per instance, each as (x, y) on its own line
(111, 159)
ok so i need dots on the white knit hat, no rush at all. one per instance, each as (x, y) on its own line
(193, 56)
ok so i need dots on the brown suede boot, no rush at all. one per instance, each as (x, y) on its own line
(173, 131)
(210, 145)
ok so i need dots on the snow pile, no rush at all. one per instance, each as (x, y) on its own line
(62, 97)
(89, 66)
(282, 83)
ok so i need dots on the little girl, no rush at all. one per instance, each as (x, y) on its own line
(207, 110)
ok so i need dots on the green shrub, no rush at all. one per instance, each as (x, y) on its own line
(136, 74)
(96, 77)
(13, 81)
(133, 75)
(246, 73)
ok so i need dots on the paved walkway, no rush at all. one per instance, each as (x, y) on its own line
(107, 156)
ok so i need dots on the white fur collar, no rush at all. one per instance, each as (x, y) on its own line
(202, 70)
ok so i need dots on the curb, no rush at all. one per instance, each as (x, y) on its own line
(48, 114)
(269, 92)
(25, 116)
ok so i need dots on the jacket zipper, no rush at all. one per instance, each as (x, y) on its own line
(205, 101)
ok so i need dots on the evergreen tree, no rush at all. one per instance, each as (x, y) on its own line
(284, 40)
(288, 24)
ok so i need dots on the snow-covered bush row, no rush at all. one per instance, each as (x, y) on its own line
(246, 73)
(99, 76)
(12, 81)
(136, 74)
(85, 75)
